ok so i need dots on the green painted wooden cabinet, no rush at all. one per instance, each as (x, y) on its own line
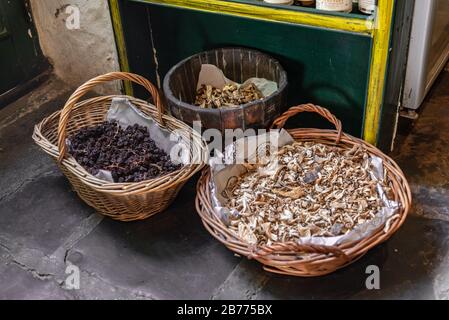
(339, 61)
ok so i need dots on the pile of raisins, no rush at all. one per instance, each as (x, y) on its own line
(129, 154)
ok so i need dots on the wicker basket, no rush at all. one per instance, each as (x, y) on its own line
(288, 258)
(238, 64)
(120, 201)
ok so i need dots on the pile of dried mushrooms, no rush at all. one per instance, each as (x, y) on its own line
(316, 190)
(230, 96)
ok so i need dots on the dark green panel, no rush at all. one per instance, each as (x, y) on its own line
(11, 73)
(138, 43)
(20, 56)
(325, 67)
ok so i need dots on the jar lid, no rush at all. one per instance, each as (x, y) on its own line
(286, 2)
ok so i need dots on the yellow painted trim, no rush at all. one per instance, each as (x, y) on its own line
(120, 41)
(358, 25)
(379, 61)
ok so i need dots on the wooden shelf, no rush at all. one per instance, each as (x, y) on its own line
(355, 14)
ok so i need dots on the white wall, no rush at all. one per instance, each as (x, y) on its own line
(77, 55)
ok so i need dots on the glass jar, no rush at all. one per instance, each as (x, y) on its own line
(367, 6)
(334, 5)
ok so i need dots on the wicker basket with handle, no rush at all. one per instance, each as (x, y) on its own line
(290, 258)
(120, 201)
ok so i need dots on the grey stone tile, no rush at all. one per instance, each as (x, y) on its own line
(41, 215)
(92, 287)
(20, 159)
(17, 283)
(169, 256)
(244, 283)
(423, 153)
(431, 202)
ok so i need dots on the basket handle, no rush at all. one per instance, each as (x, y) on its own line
(86, 87)
(280, 122)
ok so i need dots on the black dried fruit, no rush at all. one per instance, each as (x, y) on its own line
(129, 154)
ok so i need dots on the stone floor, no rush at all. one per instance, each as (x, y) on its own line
(44, 227)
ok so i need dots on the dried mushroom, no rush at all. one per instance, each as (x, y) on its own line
(317, 191)
(230, 96)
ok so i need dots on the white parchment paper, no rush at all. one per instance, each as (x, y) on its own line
(214, 76)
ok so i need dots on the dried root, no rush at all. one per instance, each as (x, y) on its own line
(230, 96)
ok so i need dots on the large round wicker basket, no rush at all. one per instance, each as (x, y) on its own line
(120, 201)
(307, 260)
(238, 64)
